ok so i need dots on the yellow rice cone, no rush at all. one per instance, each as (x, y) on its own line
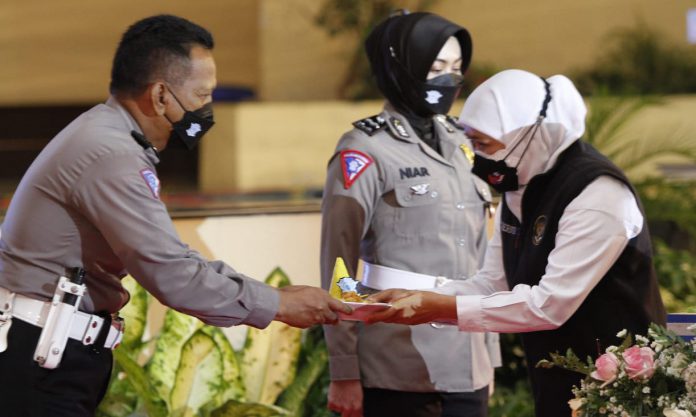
(339, 272)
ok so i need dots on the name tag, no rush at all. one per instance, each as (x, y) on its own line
(508, 228)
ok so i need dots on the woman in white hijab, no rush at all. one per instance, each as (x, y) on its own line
(570, 262)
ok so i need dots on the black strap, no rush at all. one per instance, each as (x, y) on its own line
(103, 333)
(547, 99)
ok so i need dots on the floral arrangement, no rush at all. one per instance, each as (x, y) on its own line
(649, 377)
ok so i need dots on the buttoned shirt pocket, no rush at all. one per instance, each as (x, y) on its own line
(417, 210)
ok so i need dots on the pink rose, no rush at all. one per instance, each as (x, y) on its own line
(607, 367)
(640, 363)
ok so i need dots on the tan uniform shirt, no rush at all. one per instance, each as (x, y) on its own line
(403, 205)
(91, 199)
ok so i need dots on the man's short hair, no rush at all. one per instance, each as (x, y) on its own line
(156, 47)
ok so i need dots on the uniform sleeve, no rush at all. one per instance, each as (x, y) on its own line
(345, 220)
(592, 233)
(118, 197)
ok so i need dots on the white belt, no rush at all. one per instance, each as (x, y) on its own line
(85, 327)
(383, 278)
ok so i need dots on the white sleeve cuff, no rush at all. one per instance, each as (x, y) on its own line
(470, 313)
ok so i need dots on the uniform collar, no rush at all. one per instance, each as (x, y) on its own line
(131, 125)
(402, 130)
(130, 121)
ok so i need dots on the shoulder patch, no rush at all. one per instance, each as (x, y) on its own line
(152, 181)
(353, 164)
(370, 125)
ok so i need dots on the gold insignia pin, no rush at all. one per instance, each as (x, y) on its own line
(468, 153)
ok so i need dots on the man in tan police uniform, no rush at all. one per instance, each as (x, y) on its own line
(91, 200)
(399, 194)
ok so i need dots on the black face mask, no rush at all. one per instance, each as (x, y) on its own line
(438, 94)
(191, 128)
(498, 174)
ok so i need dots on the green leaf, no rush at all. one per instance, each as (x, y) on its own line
(154, 403)
(277, 278)
(570, 362)
(236, 409)
(134, 313)
(293, 398)
(270, 355)
(197, 375)
(162, 366)
(121, 399)
(231, 382)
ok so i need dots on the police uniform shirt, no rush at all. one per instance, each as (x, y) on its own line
(91, 199)
(392, 200)
(593, 231)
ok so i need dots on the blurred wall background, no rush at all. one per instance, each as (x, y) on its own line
(59, 52)
(57, 58)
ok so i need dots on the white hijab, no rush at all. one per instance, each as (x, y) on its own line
(508, 104)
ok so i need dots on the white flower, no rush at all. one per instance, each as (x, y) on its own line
(690, 378)
(673, 412)
(646, 390)
(622, 333)
(576, 403)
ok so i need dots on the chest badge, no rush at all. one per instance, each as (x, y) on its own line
(420, 189)
(539, 229)
(468, 153)
(353, 164)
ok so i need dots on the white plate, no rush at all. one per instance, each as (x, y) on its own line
(362, 310)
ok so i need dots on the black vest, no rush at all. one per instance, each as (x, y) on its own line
(627, 297)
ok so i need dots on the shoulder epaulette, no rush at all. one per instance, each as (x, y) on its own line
(371, 125)
(454, 121)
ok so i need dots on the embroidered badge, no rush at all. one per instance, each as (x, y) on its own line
(152, 181)
(411, 172)
(468, 153)
(354, 164)
(539, 229)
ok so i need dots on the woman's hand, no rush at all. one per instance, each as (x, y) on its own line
(414, 307)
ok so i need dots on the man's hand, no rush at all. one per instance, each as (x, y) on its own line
(303, 306)
(346, 398)
(414, 307)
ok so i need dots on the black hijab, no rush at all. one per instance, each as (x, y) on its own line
(402, 50)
